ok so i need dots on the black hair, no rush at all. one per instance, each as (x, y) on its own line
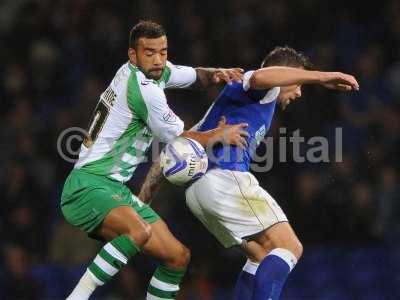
(286, 56)
(147, 29)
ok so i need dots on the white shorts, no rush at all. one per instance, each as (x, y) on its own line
(232, 205)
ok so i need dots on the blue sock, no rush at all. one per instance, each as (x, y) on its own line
(272, 274)
(245, 283)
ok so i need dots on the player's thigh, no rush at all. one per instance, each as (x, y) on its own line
(280, 235)
(132, 218)
(105, 208)
(215, 210)
(165, 247)
(88, 198)
(233, 206)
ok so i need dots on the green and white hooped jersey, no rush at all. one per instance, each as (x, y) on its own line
(129, 113)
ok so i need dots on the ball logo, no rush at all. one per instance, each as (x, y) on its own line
(183, 160)
(192, 165)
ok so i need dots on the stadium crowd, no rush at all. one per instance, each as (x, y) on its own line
(58, 56)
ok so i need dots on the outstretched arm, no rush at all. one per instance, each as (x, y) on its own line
(183, 76)
(269, 77)
(211, 76)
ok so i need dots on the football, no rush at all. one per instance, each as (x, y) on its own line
(183, 160)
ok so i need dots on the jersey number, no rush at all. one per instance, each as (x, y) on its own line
(97, 121)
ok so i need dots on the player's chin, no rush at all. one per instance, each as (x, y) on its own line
(284, 103)
(155, 74)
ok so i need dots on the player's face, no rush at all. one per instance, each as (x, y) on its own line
(150, 56)
(288, 94)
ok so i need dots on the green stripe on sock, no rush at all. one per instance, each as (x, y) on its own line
(169, 275)
(161, 294)
(99, 273)
(111, 259)
(126, 246)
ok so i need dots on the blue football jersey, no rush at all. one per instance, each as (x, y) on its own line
(239, 103)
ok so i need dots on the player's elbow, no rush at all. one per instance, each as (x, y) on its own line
(168, 133)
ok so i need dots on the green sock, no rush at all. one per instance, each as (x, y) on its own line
(111, 258)
(165, 283)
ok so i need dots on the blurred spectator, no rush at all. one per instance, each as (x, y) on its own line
(18, 283)
(387, 224)
(23, 211)
(63, 246)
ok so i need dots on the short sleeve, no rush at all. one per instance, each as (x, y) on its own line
(264, 96)
(246, 80)
(152, 108)
(180, 76)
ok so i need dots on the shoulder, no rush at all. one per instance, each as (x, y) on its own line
(170, 67)
(122, 75)
(239, 88)
(234, 88)
(177, 76)
(172, 71)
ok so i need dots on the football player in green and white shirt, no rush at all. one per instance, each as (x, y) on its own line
(131, 111)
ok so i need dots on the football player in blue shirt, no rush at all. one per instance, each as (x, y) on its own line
(228, 199)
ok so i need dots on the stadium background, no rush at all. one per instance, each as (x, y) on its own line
(58, 56)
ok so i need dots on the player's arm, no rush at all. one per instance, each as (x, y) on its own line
(183, 76)
(266, 78)
(227, 134)
(206, 77)
(153, 182)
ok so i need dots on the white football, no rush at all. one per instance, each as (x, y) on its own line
(183, 160)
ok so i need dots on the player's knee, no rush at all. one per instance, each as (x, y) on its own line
(141, 235)
(299, 251)
(297, 248)
(180, 259)
(291, 244)
(185, 256)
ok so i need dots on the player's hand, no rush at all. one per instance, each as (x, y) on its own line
(339, 81)
(227, 75)
(233, 134)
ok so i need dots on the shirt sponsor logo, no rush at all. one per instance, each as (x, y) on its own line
(260, 134)
(145, 82)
